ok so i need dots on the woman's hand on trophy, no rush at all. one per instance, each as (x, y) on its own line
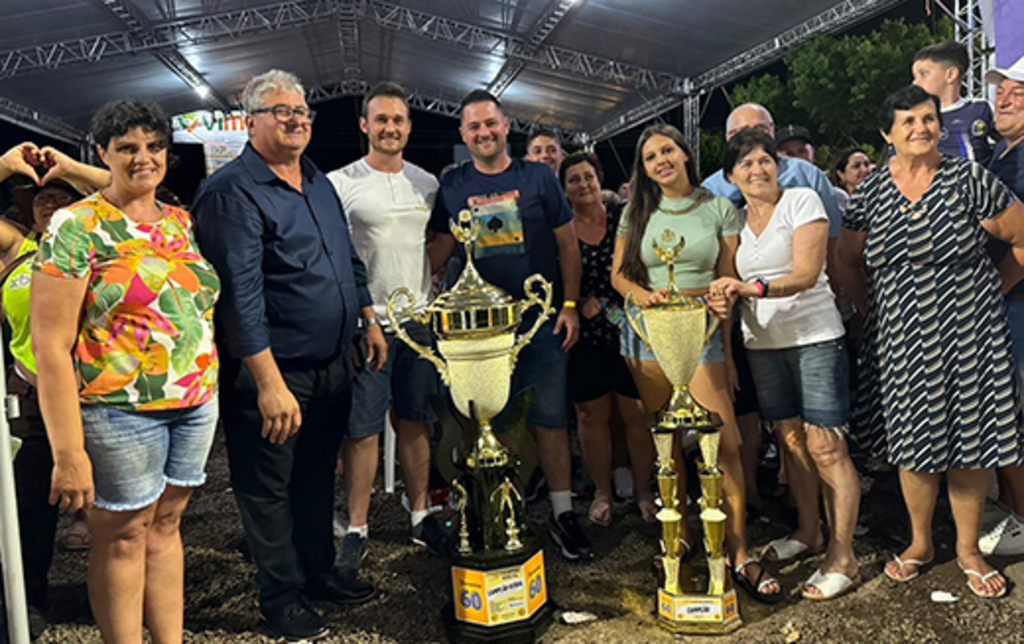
(591, 307)
(656, 297)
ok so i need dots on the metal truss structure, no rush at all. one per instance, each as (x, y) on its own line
(841, 16)
(968, 31)
(141, 30)
(35, 121)
(431, 102)
(667, 91)
(392, 16)
(512, 67)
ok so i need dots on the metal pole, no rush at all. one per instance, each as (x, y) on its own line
(10, 540)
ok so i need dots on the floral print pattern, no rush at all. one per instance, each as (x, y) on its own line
(146, 337)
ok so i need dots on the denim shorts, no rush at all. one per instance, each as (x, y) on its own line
(135, 455)
(632, 347)
(811, 381)
(406, 380)
(543, 365)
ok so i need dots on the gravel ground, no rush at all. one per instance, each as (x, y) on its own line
(618, 587)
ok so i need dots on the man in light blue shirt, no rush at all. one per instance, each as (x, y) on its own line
(793, 172)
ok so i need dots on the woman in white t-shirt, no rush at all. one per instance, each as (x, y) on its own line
(794, 339)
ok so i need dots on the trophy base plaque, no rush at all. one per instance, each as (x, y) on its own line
(699, 614)
(693, 611)
(499, 596)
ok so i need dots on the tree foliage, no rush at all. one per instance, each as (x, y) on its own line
(834, 85)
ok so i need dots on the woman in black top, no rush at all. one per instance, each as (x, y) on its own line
(599, 381)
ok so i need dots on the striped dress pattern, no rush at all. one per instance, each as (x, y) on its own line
(937, 387)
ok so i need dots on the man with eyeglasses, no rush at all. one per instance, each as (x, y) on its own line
(1006, 536)
(293, 292)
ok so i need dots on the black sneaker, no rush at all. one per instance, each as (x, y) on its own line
(296, 622)
(431, 536)
(340, 589)
(350, 557)
(566, 532)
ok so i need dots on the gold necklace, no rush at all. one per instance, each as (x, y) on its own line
(697, 200)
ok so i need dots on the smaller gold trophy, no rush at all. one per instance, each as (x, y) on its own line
(677, 330)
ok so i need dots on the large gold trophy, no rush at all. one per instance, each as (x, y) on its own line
(498, 582)
(677, 330)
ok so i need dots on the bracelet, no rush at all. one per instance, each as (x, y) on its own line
(762, 286)
(569, 304)
(368, 322)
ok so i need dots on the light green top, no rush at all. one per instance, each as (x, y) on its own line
(15, 299)
(701, 220)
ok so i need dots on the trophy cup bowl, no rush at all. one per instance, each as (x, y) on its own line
(676, 330)
(499, 588)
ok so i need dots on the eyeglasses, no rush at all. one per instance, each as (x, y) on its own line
(285, 113)
(53, 199)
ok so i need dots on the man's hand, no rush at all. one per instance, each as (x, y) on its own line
(21, 159)
(71, 485)
(569, 320)
(590, 307)
(376, 347)
(282, 416)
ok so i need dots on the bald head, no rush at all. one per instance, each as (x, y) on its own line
(749, 115)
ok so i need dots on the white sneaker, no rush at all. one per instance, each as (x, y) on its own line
(1006, 538)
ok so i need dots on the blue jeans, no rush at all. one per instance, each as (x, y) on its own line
(811, 381)
(135, 455)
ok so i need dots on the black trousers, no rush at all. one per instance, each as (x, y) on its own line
(286, 492)
(33, 467)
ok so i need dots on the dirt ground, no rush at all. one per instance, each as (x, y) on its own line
(618, 587)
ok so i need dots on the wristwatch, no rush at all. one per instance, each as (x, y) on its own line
(368, 322)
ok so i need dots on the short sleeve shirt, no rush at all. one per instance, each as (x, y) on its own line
(802, 319)
(518, 210)
(700, 220)
(1008, 165)
(966, 126)
(388, 214)
(146, 338)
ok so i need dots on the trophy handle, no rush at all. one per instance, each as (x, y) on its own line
(634, 320)
(395, 315)
(713, 325)
(543, 300)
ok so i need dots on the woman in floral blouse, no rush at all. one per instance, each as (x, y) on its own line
(122, 328)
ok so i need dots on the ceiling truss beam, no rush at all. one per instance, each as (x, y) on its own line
(838, 17)
(171, 57)
(510, 70)
(431, 102)
(40, 123)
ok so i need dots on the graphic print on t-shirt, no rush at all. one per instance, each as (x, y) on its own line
(501, 224)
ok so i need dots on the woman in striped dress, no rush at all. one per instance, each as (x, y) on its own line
(937, 392)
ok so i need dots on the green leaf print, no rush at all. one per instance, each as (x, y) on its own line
(177, 305)
(151, 387)
(107, 296)
(116, 229)
(71, 246)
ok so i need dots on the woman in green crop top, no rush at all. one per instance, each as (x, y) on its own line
(667, 197)
(36, 204)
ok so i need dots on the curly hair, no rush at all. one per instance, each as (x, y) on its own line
(117, 118)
